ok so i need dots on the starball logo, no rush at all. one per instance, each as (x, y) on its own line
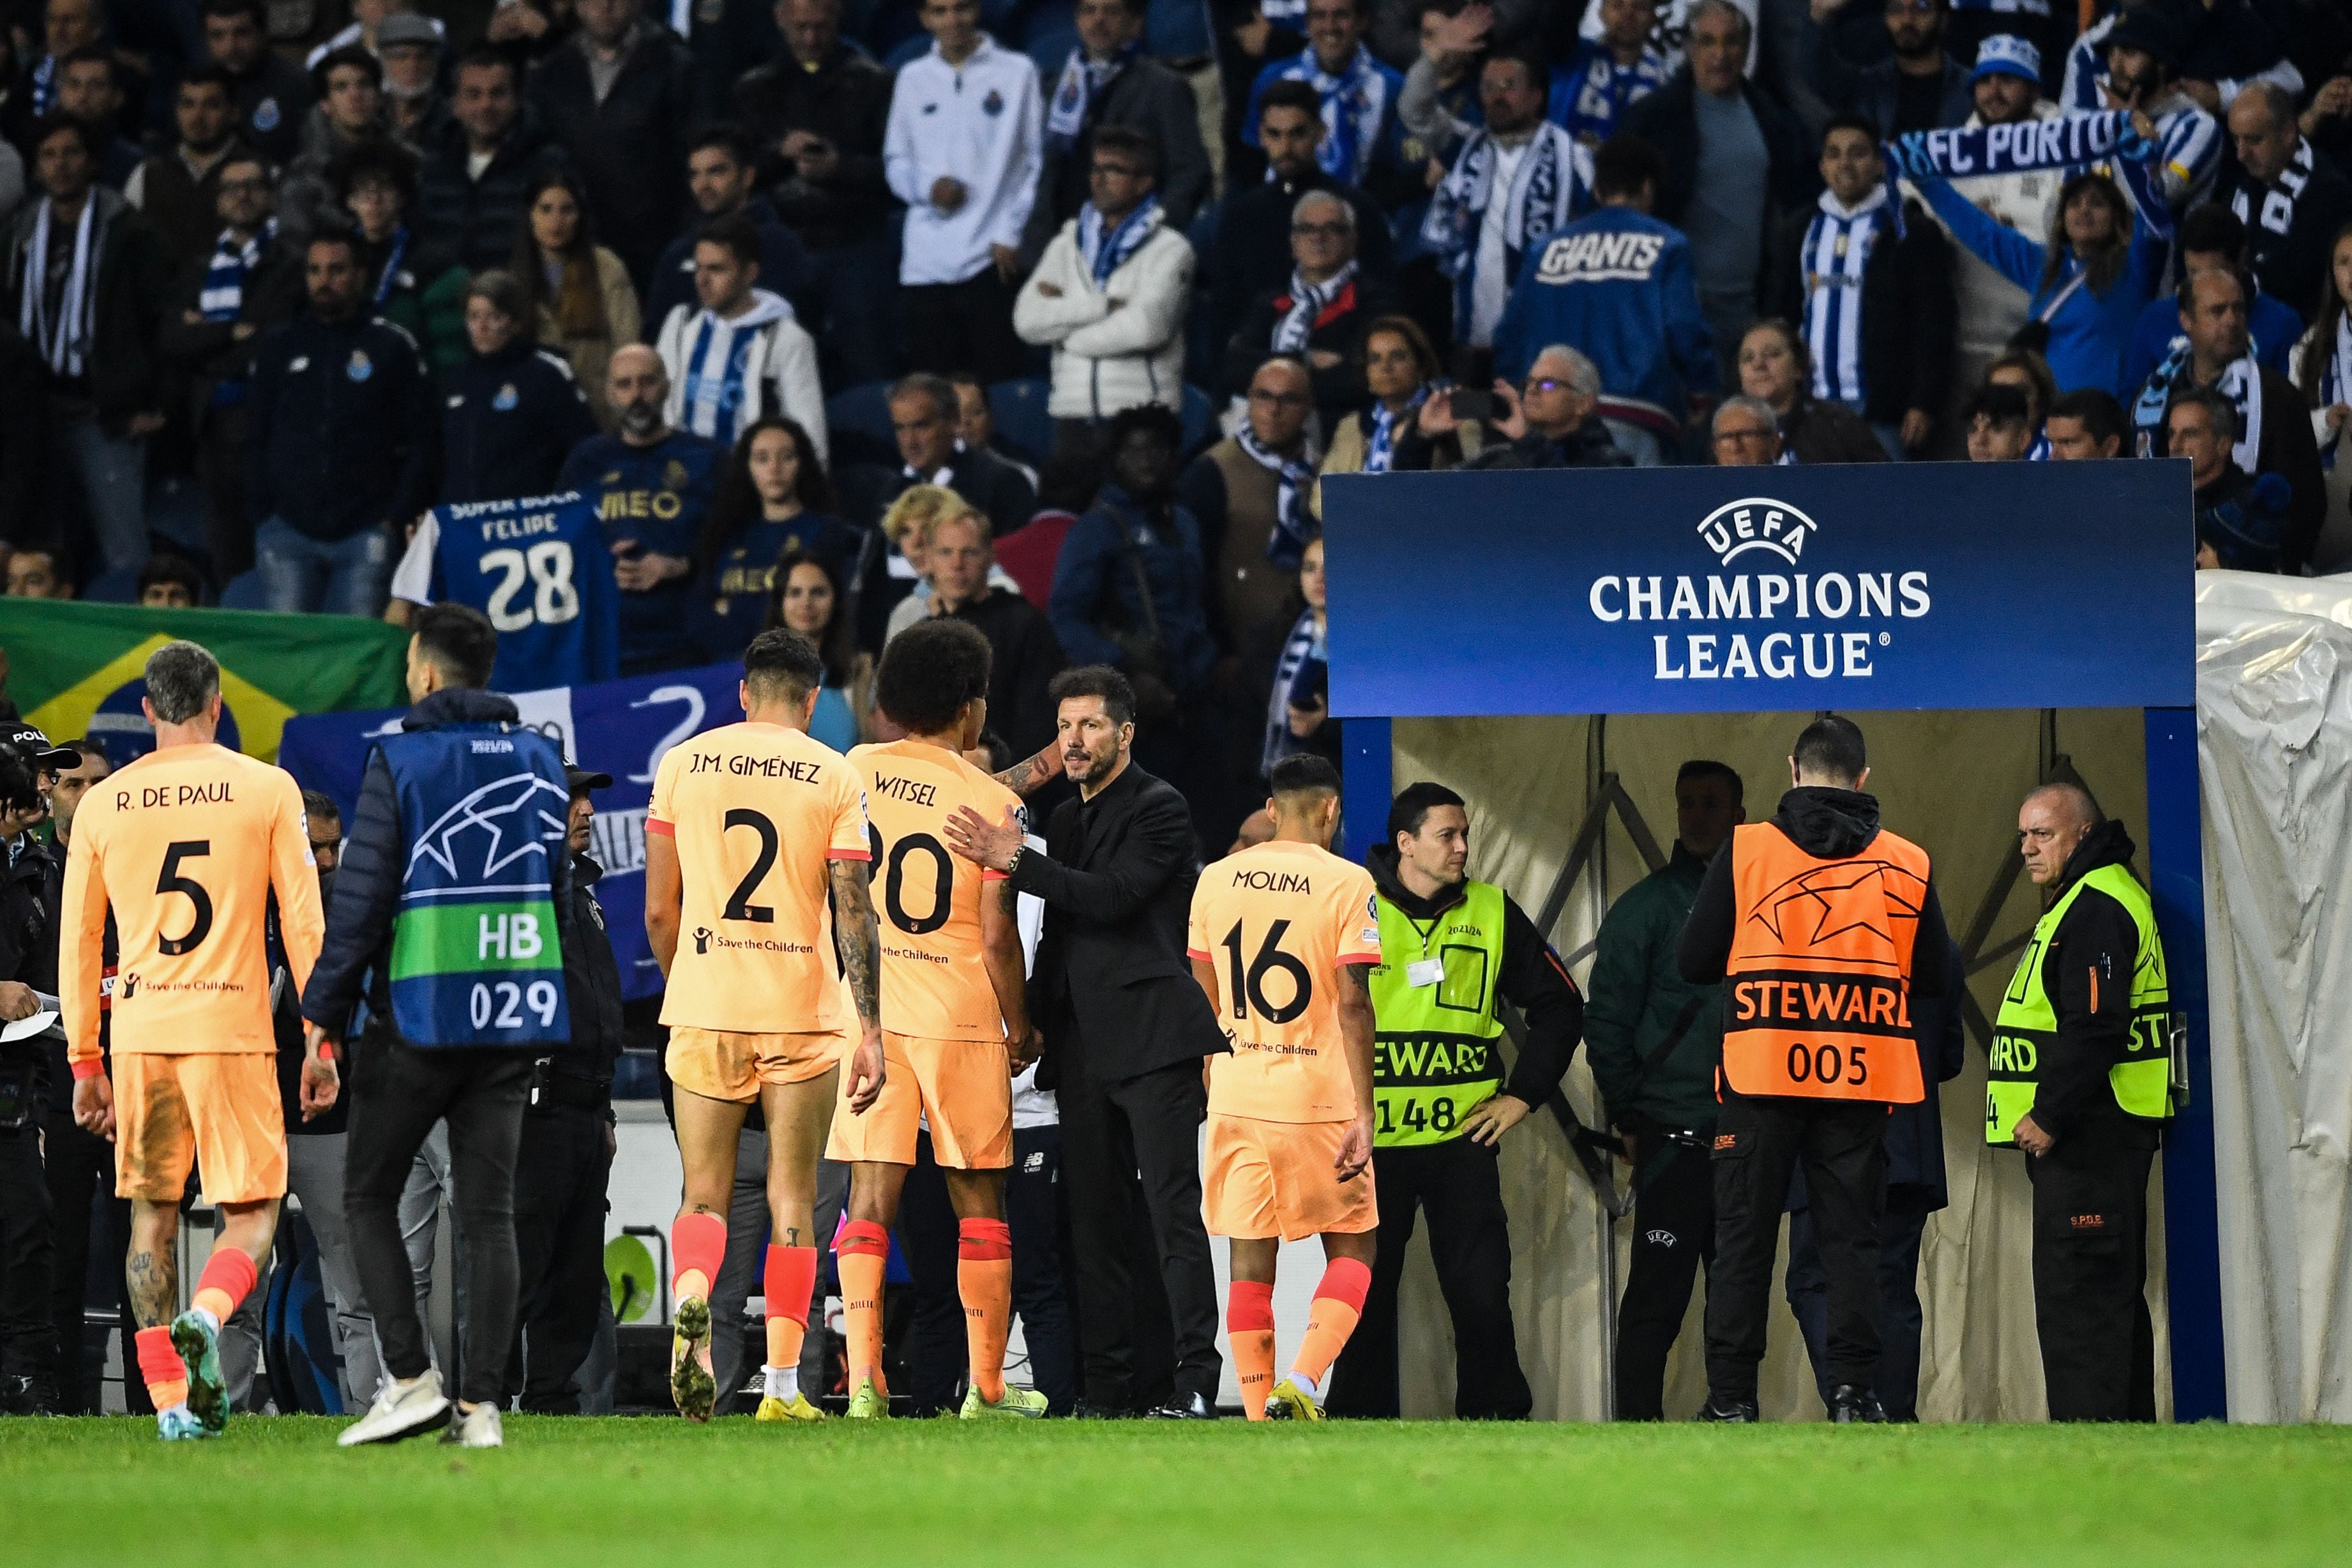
(1772, 600)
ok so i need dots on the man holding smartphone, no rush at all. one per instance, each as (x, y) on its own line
(1547, 421)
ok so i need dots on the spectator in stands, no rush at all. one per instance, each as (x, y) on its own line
(1606, 76)
(416, 111)
(976, 424)
(349, 110)
(1746, 434)
(773, 501)
(249, 283)
(2029, 374)
(818, 115)
(365, 30)
(2211, 238)
(720, 172)
(807, 598)
(65, 26)
(963, 152)
(170, 582)
(1515, 181)
(2322, 367)
(85, 282)
(652, 486)
(1915, 86)
(1108, 83)
(2084, 425)
(378, 183)
(2291, 201)
(581, 302)
(513, 412)
(1551, 420)
(1776, 369)
(271, 93)
(36, 572)
(1399, 367)
(924, 416)
(2007, 88)
(1870, 278)
(2241, 521)
(1299, 706)
(959, 563)
(2145, 51)
(24, 436)
(739, 354)
(1065, 489)
(474, 180)
(1252, 252)
(1437, 107)
(1620, 283)
(340, 447)
(1110, 291)
(2273, 433)
(179, 191)
(892, 568)
(1733, 157)
(1999, 422)
(1248, 496)
(87, 90)
(1319, 315)
(1356, 95)
(617, 98)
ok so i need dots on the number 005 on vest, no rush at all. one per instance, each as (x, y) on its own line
(1817, 994)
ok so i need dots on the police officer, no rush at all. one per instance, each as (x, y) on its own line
(1823, 927)
(2081, 1080)
(1450, 948)
(1652, 1041)
(566, 1155)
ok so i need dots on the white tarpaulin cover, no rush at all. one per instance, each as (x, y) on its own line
(2274, 756)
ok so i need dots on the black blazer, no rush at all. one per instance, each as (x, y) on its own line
(1116, 878)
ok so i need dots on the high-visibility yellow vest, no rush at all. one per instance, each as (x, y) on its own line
(1435, 1050)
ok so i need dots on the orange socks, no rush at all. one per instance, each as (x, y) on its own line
(790, 1277)
(1249, 1327)
(698, 1245)
(160, 1367)
(984, 1281)
(861, 1252)
(1338, 1302)
(228, 1277)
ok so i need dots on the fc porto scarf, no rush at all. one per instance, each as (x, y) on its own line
(1548, 188)
(1308, 302)
(1105, 254)
(223, 295)
(1354, 103)
(2277, 215)
(62, 341)
(1074, 94)
(2022, 148)
(1379, 445)
(1293, 529)
(2241, 383)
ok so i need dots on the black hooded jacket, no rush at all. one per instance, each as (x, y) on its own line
(2086, 970)
(592, 985)
(1533, 980)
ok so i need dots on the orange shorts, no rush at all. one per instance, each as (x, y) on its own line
(1267, 1179)
(962, 1088)
(219, 1110)
(720, 1064)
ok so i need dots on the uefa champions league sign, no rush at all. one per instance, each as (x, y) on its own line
(1742, 590)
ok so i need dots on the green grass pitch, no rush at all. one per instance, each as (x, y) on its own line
(935, 1493)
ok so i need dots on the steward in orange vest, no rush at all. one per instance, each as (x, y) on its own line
(1825, 933)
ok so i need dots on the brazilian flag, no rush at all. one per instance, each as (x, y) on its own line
(77, 669)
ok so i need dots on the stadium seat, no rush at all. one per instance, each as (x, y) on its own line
(120, 587)
(858, 422)
(1177, 30)
(1039, 19)
(245, 592)
(1050, 49)
(1019, 409)
(907, 49)
(1200, 419)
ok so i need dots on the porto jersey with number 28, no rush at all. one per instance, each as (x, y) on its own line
(538, 568)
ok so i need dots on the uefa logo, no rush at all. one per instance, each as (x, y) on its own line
(1757, 523)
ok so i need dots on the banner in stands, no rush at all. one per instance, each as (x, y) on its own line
(616, 727)
(1761, 589)
(78, 670)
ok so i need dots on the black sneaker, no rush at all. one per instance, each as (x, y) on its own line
(1718, 1408)
(1850, 1405)
(1183, 1407)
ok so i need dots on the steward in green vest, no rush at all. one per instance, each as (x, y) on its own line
(1451, 949)
(2080, 1080)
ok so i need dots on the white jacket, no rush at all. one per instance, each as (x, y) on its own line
(778, 373)
(981, 123)
(1107, 360)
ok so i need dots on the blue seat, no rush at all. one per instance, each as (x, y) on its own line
(1200, 419)
(1039, 17)
(908, 50)
(119, 587)
(1177, 29)
(1050, 49)
(245, 592)
(1019, 409)
(858, 423)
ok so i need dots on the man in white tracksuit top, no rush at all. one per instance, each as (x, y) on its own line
(737, 356)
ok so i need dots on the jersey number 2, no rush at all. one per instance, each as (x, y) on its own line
(740, 906)
(171, 881)
(1249, 984)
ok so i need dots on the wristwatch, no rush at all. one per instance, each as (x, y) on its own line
(1014, 864)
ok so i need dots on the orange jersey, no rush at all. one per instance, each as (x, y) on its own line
(759, 812)
(1279, 921)
(926, 896)
(185, 847)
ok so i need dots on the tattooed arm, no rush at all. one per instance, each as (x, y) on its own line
(1027, 778)
(858, 936)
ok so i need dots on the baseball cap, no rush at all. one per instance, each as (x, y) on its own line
(579, 779)
(2155, 29)
(2006, 53)
(16, 732)
(407, 28)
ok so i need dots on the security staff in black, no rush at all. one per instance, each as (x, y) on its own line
(1827, 935)
(1450, 949)
(565, 1159)
(2081, 1076)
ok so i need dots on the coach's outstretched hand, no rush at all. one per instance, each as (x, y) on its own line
(93, 1106)
(321, 1081)
(992, 843)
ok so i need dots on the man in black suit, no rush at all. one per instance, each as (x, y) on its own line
(1126, 1032)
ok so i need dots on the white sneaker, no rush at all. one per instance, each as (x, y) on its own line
(475, 1428)
(401, 1410)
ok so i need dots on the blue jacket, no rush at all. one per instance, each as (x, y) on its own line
(1093, 569)
(341, 436)
(506, 423)
(2274, 326)
(1616, 285)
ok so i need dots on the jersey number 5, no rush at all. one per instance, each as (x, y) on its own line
(1249, 983)
(171, 881)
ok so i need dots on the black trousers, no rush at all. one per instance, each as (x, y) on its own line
(397, 1092)
(1757, 1143)
(1673, 1232)
(1140, 1135)
(79, 1168)
(965, 326)
(29, 1338)
(561, 1171)
(1896, 1381)
(2090, 1272)
(1460, 1184)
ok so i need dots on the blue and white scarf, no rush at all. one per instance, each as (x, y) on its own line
(223, 295)
(1838, 244)
(1296, 325)
(1553, 181)
(45, 86)
(2241, 382)
(1294, 529)
(1304, 644)
(1355, 104)
(2039, 451)
(393, 258)
(717, 384)
(2335, 376)
(1380, 443)
(1074, 94)
(64, 340)
(1105, 254)
(1587, 104)
(2020, 148)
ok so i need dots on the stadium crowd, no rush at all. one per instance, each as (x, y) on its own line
(1050, 317)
